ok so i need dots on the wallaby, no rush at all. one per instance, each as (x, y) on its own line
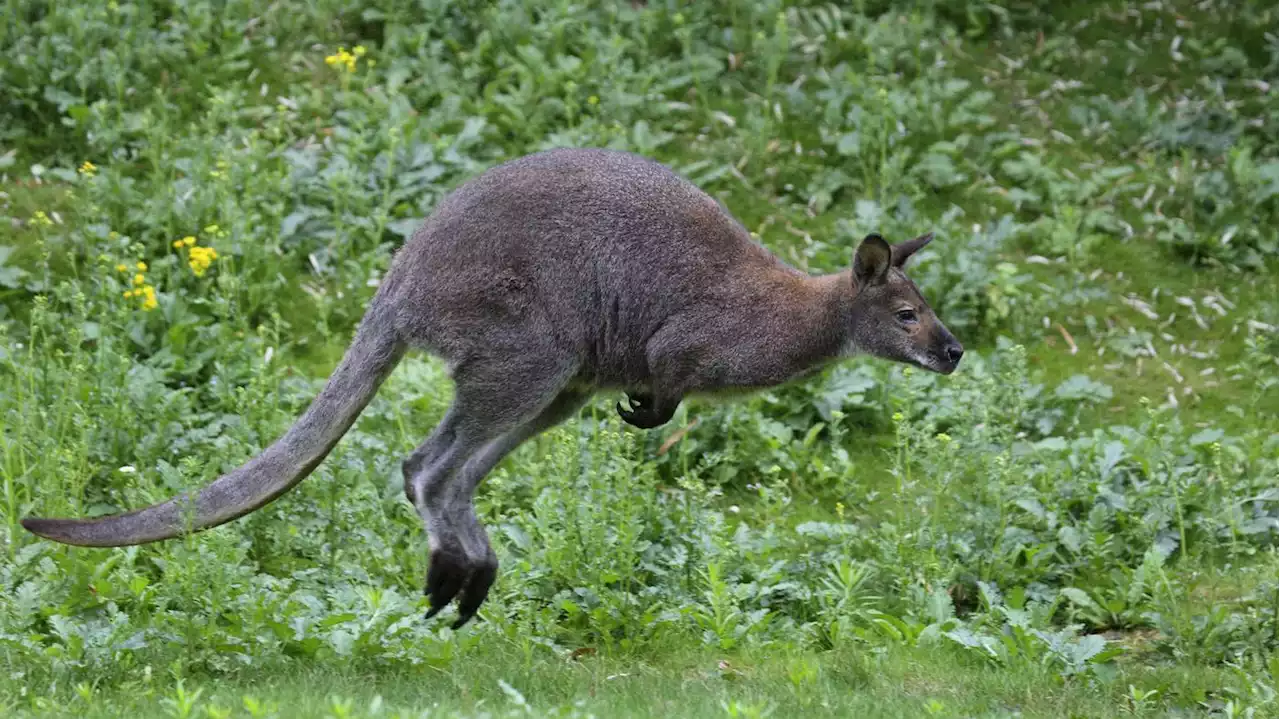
(539, 282)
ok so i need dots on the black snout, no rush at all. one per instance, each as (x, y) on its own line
(954, 353)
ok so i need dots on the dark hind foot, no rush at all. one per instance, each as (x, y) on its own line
(644, 412)
(452, 575)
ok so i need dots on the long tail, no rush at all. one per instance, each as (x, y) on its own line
(373, 353)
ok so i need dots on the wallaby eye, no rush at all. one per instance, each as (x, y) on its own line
(907, 316)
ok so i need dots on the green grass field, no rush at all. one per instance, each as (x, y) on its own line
(197, 198)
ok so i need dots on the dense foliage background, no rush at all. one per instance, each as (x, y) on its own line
(198, 197)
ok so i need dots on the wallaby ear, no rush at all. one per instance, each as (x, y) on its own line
(871, 260)
(906, 249)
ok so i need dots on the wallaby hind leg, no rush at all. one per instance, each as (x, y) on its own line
(427, 452)
(497, 407)
(472, 593)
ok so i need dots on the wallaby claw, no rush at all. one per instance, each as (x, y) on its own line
(450, 577)
(474, 593)
(642, 413)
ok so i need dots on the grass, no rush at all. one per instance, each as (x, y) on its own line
(901, 683)
(1048, 532)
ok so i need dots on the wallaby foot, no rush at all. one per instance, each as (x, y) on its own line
(646, 412)
(453, 574)
(482, 427)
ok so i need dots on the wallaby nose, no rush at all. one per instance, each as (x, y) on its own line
(954, 353)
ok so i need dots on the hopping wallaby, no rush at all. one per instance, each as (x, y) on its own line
(539, 282)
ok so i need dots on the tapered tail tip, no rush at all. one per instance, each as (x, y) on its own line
(35, 525)
(59, 530)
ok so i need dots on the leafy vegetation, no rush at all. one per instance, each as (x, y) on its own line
(199, 198)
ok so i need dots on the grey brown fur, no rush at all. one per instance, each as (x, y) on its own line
(540, 282)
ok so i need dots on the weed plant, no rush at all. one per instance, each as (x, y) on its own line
(198, 198)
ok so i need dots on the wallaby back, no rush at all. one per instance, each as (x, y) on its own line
(593, 251)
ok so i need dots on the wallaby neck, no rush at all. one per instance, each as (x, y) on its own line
(793, 325)
(830, 315)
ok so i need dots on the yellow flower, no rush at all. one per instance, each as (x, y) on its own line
(88, 169)
(146, 293)
(359, 50)
(897, 417)
(342, 60)
(139, 279)
(40, 219)
(200, 259)
(142, 266)
(188, 240)
(122, 268)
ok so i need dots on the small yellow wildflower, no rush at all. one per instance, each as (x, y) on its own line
(40, 219)
(897, 417)
(342, 60)
(122, 268)
(142, 266)
(200, 259)
(188, 240)
(139, 280)
(146, 293)
(88, 169)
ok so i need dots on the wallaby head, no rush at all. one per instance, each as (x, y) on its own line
(891, 319)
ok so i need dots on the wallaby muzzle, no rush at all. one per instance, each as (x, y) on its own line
(949, 353)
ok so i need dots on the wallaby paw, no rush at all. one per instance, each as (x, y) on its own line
(642, 413)
(452, 576)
